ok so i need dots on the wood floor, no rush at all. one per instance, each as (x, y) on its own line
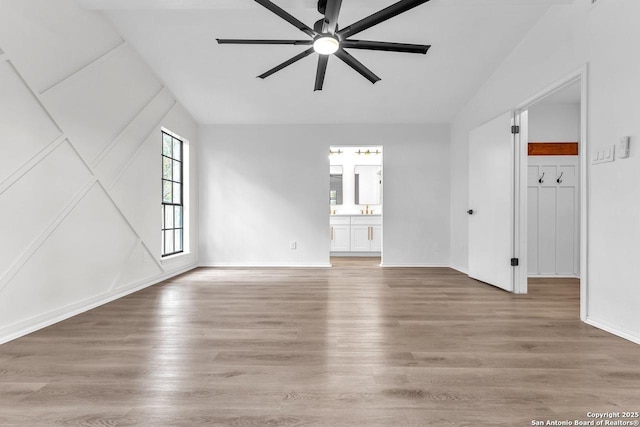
(352, 345)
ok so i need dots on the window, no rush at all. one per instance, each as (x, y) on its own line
(172, 195)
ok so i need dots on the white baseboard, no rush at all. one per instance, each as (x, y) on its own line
(459, 269)
(25, 327)
(414, 265)
(303, 265)
(356, 254)
(552, 276)
(262, 265)
(621, 332)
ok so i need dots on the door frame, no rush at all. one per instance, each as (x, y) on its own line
(520, 231)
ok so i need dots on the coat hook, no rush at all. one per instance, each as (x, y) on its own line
(541, 180)
(559, 180)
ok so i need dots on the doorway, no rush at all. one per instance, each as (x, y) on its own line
(356, 203)
(499, 189)
(551, 183)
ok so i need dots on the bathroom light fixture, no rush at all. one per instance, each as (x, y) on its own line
(366, 153)
(326, 45)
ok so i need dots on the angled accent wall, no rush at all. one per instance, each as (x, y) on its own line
(80, 119)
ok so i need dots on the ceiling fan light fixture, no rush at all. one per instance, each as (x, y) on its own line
(326, 45)
(328, 39)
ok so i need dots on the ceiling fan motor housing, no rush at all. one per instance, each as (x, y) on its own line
(322, 6)
(318, 26)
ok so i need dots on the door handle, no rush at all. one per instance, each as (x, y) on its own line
(371, 233)
(331, 233)
(470, 211)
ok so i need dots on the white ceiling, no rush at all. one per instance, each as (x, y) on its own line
(218, 84)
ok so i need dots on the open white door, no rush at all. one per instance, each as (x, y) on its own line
(491, 204)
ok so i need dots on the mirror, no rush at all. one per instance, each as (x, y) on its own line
(368, 184)
(335, 185)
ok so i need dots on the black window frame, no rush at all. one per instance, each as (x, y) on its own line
(173, 204)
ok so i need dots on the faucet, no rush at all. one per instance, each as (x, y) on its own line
(367, 211)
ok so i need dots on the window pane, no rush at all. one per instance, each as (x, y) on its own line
(172, 198)
(167, 145)
(178, 221)
(168, 242)
(176, 193)
(167, 193)
(166, 168)
(168, 217)
(177, 169)
(177, 149)
(178, 240)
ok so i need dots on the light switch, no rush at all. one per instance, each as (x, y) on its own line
(609, 153)
(622, 149)
(603, 155)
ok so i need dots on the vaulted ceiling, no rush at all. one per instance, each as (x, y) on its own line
(218, 84)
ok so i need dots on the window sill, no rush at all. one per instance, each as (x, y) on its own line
(173, 258)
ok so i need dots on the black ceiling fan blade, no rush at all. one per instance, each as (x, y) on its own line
(253, 41)
(332, 12)
(285, 64)
(378, 17)
(287, 17)
(357, 65)
(323, 60)
(386, 46)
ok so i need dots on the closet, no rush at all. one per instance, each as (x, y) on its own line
(553, 191)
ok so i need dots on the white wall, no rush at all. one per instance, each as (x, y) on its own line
(614, 207)
(554, 122)
(564, 40)
(265, 186)
(80, 171)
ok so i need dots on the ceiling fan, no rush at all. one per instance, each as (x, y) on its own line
(327, 39)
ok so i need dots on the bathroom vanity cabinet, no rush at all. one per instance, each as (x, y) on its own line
(357, 233)
(340, 233)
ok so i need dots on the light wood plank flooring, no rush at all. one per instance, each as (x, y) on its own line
(352, 345)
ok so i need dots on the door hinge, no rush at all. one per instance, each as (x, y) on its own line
(515, 262)
(515, 129)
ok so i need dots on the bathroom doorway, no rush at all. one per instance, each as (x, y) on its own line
(356, 203)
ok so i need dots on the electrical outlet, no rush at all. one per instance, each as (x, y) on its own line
(294, 245)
